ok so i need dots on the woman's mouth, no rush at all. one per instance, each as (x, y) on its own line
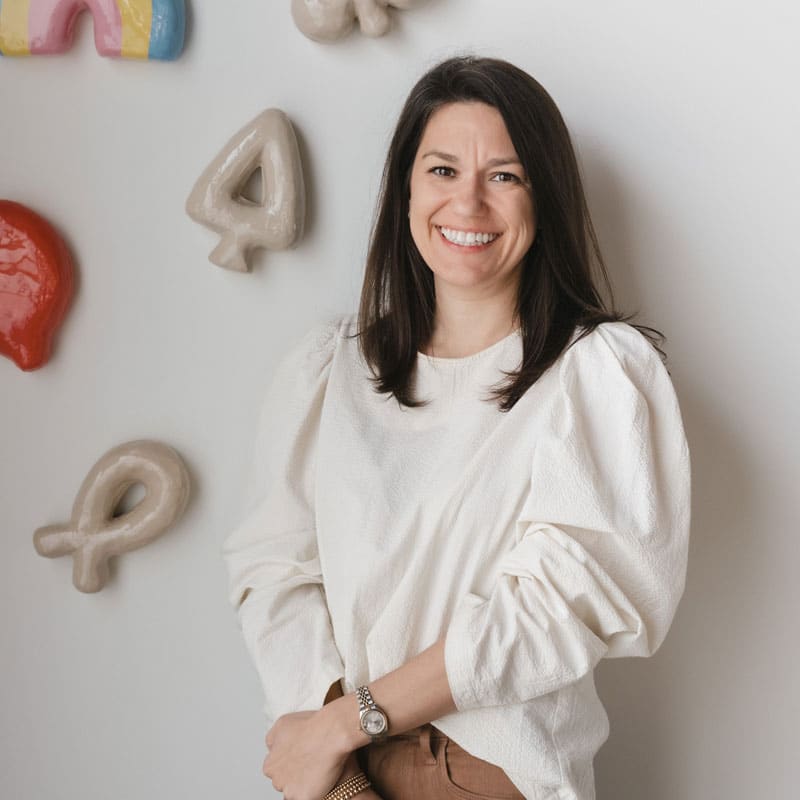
(473, 239)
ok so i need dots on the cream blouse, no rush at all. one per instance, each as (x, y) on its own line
(538, 540)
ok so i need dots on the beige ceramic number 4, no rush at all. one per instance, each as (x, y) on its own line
(268, 144)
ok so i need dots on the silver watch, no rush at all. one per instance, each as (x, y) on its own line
(373, 719)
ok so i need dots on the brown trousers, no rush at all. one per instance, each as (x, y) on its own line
(423, 764)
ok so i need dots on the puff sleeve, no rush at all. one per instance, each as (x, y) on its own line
(599, 560)
(273, 562)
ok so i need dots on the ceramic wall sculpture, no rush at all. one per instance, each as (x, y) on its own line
(328, 20)
(36, 284)
(94, 534)
(267, 143)
(151, 29)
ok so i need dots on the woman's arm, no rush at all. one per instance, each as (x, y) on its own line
(306, 750)
(410, 695)
(353, 764)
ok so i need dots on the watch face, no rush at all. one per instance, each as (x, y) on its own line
(373, 722)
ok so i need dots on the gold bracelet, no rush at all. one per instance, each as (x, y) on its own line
(349, 788)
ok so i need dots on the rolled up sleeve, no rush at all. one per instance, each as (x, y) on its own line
(599, 561)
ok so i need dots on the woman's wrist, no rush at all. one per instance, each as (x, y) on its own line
(342, 715)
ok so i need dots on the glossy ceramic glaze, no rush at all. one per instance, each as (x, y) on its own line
(267, 143)
(329, 20)
(94, 534)
(145, 29)
(36, 284)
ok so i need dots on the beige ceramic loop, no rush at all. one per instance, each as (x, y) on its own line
(94, 534)
(328, 20)
(267, 143)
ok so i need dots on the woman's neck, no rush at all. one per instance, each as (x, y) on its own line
(465, 335)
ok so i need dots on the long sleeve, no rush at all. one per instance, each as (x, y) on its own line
(599, 560)
(273, 562)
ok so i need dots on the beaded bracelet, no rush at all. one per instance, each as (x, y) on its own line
(349, 788)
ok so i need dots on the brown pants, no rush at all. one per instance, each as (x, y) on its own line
(423, 764)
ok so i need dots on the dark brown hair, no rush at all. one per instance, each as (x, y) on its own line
(557, 290)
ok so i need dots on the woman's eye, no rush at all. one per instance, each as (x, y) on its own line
(506, 177)
(444, 172)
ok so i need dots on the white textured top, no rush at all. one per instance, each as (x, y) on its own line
(538, 540)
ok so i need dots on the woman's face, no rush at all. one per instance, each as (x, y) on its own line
(471, 207)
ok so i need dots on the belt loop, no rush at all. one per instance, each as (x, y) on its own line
(425, 743)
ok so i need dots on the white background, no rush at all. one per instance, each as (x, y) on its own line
(685, 117)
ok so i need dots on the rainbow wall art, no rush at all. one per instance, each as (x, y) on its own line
(148, 29)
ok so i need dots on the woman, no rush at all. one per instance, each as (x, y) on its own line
(474, 490)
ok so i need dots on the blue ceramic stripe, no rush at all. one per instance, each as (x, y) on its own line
(167, 29)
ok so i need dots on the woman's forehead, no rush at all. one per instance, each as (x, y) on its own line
(457, 128)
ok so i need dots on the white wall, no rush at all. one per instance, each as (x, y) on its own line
(686, 120)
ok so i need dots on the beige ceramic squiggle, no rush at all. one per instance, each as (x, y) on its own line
(94, 534)
(267, 143)
(328, 20)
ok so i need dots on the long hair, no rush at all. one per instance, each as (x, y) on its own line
(557, 289)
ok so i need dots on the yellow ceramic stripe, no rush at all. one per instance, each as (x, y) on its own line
(137, 17)
(14, 28)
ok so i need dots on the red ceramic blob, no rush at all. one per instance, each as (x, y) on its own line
(36, 281)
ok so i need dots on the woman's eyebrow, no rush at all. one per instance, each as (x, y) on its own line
(441, 155)
(492, 162)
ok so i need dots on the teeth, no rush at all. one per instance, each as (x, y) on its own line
(467, 239)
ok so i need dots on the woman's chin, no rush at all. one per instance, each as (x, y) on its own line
(469, 278)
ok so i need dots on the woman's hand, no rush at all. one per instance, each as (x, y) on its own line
(305, 760)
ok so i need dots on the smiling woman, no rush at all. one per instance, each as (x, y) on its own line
(471, 206)
(480, 148)
(471, 491)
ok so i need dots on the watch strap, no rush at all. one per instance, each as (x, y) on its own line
(366, 703)
(365, 700)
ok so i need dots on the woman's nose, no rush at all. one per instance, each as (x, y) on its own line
(468, 196)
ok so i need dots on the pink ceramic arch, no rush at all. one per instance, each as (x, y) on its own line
(128, 28)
